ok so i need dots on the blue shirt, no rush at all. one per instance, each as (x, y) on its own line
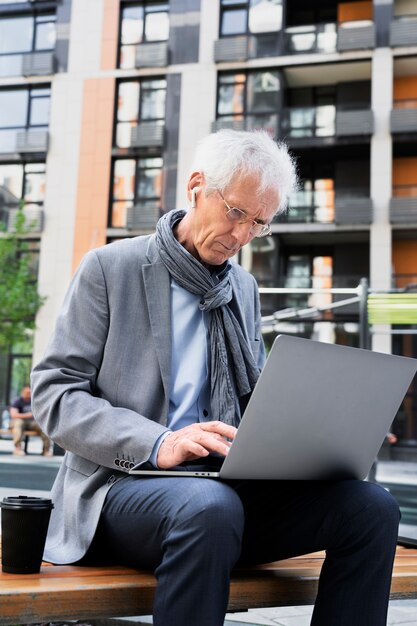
(189, 399)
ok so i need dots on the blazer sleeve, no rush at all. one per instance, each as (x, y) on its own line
(66, 402)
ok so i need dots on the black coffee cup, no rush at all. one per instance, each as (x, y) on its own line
(24, 524)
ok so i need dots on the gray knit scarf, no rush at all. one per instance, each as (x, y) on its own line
(231, 357)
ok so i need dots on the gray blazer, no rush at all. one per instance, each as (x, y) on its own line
(101, 390)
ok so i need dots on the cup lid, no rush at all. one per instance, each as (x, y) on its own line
(32, 502)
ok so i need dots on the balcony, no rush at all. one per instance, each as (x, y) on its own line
(29, 64)
(403, 206)
(147, 135)
(34, 219)
(403, 31)
(231, 49)
(404, 118)
(310, 39)
(307, 122)
(350, 123)
(356, 35)
(143, 217)
(23, 141)
(325, 206)
(269, 123)
(151, 55)
(353, 209)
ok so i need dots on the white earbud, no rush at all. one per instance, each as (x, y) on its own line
(193, 195)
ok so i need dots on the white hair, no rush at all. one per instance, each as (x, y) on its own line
(228, 154)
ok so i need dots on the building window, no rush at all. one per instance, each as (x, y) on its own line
(21, 183)
(250, 17)
(251, 97)
(141, 22)
(23, 35)
(22, 109)
(136, 182)
(311, 112)
(138, 101)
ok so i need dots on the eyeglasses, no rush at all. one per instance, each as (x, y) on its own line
(238, 216)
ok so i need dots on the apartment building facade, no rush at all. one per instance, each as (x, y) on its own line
(102, 103)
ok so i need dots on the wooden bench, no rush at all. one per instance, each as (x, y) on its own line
(71, 592)
(27, 435)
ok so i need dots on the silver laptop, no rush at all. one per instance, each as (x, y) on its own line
(318, 412)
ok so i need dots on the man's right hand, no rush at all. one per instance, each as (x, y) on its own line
(195, 441)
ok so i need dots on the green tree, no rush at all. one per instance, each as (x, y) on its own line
(19, 297)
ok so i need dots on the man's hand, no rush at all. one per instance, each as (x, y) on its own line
(14, 413)
(194, 442)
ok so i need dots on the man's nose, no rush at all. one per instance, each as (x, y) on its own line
(241, 232)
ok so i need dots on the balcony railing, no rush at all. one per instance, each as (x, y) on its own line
(34, 219)
(310, 39)
(28, 64)
(358, 122)
(147, 135)
(267, 122)
(23, 140)
(298, 122)
(403, 206)
(143, 216)
(403, 31)
(327, 207)
(152, 55)
(404, 116)
(356, 35)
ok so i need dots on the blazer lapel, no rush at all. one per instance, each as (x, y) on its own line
(158, 298)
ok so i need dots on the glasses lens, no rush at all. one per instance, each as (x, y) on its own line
(260, 230)
(236, 215)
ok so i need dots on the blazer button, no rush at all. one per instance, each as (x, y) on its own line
(123, 463)
(117, 462)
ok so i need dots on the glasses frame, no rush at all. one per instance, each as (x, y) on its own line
(265, 229)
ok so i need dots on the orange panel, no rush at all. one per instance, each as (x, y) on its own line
(353, 11)
(404, 259)
(405, 88)
(404, 171)
(110, 34)
(94, 167)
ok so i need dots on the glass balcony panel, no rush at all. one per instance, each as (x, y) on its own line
(8, 141)
(127, 57)
(11, 65)
(124, 179)
(300, 122)
(302, 42)
(119, 213)
(269, 123)
(231, 99)
(327, 40)
(16, 34)
(124, 133)
(265, 16)
(325, 120)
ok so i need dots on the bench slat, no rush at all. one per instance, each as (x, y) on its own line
(70, 592)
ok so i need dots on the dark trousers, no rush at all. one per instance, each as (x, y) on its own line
(192, 531)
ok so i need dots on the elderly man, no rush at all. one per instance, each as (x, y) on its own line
(155, 353)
